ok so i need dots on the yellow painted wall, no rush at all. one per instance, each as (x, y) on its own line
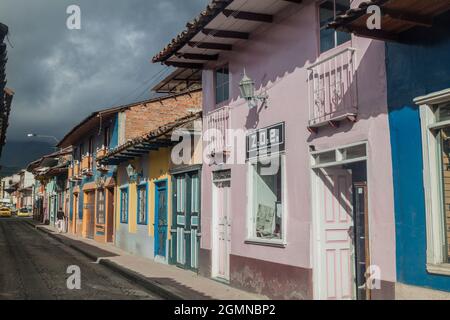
(132, 207)
(157, 166)
(159, 170)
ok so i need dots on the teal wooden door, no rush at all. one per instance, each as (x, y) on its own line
(186, 216)
(161, 223)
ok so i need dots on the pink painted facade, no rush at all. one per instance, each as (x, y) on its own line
(277, 57)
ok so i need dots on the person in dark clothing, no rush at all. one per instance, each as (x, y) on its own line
(60, 216)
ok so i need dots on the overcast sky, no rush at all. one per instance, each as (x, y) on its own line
(61, 75)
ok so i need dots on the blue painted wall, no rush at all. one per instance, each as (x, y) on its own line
(415, 68)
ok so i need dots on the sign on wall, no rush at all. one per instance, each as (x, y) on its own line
(265, 141)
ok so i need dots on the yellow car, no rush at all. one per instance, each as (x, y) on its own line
(24, 212)
(5, 212)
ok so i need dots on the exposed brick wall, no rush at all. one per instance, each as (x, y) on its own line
(143, 118)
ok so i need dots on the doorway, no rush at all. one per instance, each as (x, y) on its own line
(161, 222)
(110, 215)
(89, 216)
(341, 224)
(222, 224)
(186, 220)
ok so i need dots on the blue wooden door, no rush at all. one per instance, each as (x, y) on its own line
(161, 223)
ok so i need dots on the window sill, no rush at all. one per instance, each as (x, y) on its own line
(267, 243)
(439, 269)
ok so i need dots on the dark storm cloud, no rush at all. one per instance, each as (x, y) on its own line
(62, 75)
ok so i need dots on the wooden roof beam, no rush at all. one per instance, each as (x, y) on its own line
(211, 45)
(226, 34)
(372, 34)
(133, 153)
(417, 20)
(142, 148)
(197, 56)
(251, 16)
(186, 65)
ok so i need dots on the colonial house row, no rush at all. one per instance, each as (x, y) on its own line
(418, 95)
(157, 203)
(316, 176)
(297, 194)
(8, 190)
(16, 190)
(145, 197)
(93, 186)
(50, 186)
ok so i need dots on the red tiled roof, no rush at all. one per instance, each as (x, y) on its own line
(192, 28)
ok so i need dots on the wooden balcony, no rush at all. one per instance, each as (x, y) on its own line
(74, 170)
(332, 89)
(217, 124)
(86, 164)
(101, 152)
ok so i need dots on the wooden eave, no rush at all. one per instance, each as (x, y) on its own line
(223, 24)
(398, 16)
(154, 140)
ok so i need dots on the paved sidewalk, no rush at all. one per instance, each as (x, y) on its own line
(168, 281)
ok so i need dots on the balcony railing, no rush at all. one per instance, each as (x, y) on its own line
(101, 152)
(217, 125)
(86, 164)
(332, 89)
(75, 170)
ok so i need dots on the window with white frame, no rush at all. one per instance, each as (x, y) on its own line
(435, 121)
(142, 204)
(266, 199)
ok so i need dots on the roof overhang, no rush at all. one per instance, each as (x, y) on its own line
(152, 141)
(222, 25)
(397, 17)
(180, 80)
(85, 126)
(49, 160)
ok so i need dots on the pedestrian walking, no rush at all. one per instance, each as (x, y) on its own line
(60, 219)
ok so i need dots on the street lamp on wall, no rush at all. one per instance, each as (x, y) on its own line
(131, 171)
(133, 174)
(247, 88)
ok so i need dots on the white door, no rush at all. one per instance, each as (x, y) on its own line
(334, 216)
(221, 209)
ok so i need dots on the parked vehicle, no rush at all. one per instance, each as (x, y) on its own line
(24, 212)
(5, 212)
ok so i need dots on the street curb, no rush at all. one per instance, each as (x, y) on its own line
(125, 272)
(141, 280)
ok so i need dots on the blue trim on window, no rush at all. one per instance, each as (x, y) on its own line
(124, 190)
(140, 187)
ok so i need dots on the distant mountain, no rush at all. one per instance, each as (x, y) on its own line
(17, 155)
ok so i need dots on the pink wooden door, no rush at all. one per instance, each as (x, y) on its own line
(223, 229)
(336, 224)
